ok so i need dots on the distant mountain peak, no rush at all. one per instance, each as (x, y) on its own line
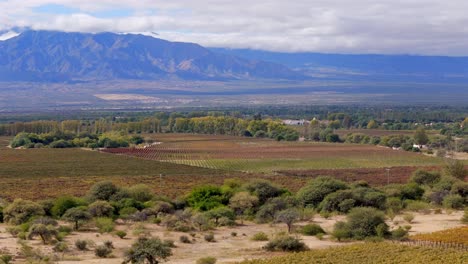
(58, 56)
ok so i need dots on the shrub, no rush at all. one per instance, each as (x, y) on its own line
(62, 204)
(45, 232)
(286, 243)
(81, 244)
(317, 189)
(341, 231)
(408, 218)
(233, 234)
(102, 251)
(263, 189)
(205, 198)
(260, 236)
(185, 239)
(101, 209)
(288, 216)
(221, 212)
(399, 234)
(453, 201)
(126, 212)
(206, 260)
(312, 230)
(109, 244)
(425, 177)
(363, 221)
(141, 193)
(77, 215)
(209, 237)
(20, 211)
(151, 250)
(60, 247)
(456, 169)
(121, 234)
(103, 190)
(418, 206)
(411, 191)
(6, 258)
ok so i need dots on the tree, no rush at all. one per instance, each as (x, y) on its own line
(45, 232)
(362, 222)
(219, 213)
(420, 136)
(21, 211)
(288, 216)
(372, 125)
(241, 202)
(263, 189)
(101, 209)
(102, 190)
(423, 177)
(316, 190)
(205, 198)
(152, 250)
(77, 215)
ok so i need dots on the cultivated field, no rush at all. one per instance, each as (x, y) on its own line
(267, 156)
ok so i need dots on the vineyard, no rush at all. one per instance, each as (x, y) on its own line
(267, 156)
(456, 236)
(371, 253)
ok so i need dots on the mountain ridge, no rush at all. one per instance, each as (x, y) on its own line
(58, 56)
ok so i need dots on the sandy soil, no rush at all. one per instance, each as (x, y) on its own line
(227, 248)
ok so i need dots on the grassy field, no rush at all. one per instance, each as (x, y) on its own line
(456, 235)
(371, 253)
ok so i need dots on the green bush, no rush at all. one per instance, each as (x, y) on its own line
(81, 244)
(60, 247)
(62, 204)
(362, 222)
(417, 206)
(285, 243)
(103, 190)
(399, 234)
(263, 189)
(105, 225)
(141, 193)
(21, 211)
(316, 190)
(205, 198)
(102, 251)
(341, 231)
(425, 177)
(101, 209)
(312, 230)
(209, 237)
(121, 234)
(206, 260)
(260, 236)
(453, 201)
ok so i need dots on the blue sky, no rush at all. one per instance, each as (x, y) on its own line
(430, 27)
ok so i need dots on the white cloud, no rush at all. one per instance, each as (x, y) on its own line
(359, 26)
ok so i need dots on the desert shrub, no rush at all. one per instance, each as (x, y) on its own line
(206, 260)
(437, 197)
(6, 258)
(163, 207)
(260, 236)
(151, 250)
(224, 221)
(341, 231)
(126, 212)
(200, 221)
(105, 225)
(102, 251)
(312, 230)
(363, 221)
(411, 191)
(121, 234)
(109, 244)
(60, 247)
(101, 209)
(45, 232)
(263, 189)
(288, 216)
(285, 243)
(418, 206)
(45, 221)
(62, 204)
(456, 169)
(233, 234)
(453, 201)
(20, 211)
(103, 190)
(394, 204)
(221, 212)
(317, 189)
(205, 198)
(465, 216)
(242, 203)
(399, 234)
(423, 177)
(209, 237)
(81, 244)
(185, 239)
(141, 192)
(408, 218)
(77, 215)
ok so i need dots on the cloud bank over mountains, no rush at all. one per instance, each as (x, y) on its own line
(430, 27)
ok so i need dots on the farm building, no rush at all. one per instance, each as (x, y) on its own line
(295, 122)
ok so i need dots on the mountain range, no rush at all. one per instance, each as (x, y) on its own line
(50, 56)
